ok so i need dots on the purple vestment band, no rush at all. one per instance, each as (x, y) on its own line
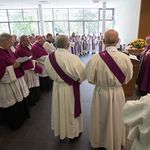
(38, 69)
(7, 58)
(70, 81)
(112, 66)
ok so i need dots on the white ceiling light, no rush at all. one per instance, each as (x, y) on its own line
(43, 1)
(96, 1)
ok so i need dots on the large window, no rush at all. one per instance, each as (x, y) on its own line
(91, 27)
(100, 26)
(15, 15)
(19, 21)
(75, 14)
(90, 14)
(109, 25)
(3, 16)
(48, 27)
(62, 20)
(3, 21)
(4, 28)
(109, 18)
(109, 14)
(60, 14)
(24, 28)
(30, 15)
(61, 27)
(76, 27)
(47, 15)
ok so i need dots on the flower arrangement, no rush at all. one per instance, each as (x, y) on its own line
(139, 43)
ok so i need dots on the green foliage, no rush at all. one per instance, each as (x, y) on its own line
(91, 27)
(20, 28)
(90, 15)
(23, 28)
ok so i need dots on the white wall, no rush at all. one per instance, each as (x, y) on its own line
(127, 14)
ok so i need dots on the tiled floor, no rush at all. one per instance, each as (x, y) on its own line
(36, 133)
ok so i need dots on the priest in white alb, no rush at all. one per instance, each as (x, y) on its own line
(108, 70)
(67, 72)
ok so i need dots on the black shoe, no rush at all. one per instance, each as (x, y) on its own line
(75, 138)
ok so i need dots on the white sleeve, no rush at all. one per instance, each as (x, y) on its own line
(136, 115)
(90, 70)
(42, 59)
(9, 75)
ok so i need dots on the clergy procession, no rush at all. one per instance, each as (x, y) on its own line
(85, 44)
(31, 65)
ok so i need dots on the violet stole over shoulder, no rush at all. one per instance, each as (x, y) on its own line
(69, 81)
(112, 66)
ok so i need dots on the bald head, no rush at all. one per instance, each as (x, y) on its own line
(111, 37)
(62, 41)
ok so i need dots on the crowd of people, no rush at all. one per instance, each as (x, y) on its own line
(85, 44)
(38, 63)
(22, 77)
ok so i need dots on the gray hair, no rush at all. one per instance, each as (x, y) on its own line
(4, 37)
(23, 37)
(111, 37)
(62, 41)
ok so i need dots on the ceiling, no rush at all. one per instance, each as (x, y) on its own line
(54, 3)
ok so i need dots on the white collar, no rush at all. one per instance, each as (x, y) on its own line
(63, 50)
(111, 48)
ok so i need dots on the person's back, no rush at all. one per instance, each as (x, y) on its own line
(63, 121)
(136, 115)
(143, 80)
(106, 124)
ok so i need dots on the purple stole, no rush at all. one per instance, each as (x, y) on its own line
(147, 48)
(70, 81)
(18, 71)
(7, 58)
(25, 51)
(22, 52)
(112, 66)
(38, 51)
(38, 69)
